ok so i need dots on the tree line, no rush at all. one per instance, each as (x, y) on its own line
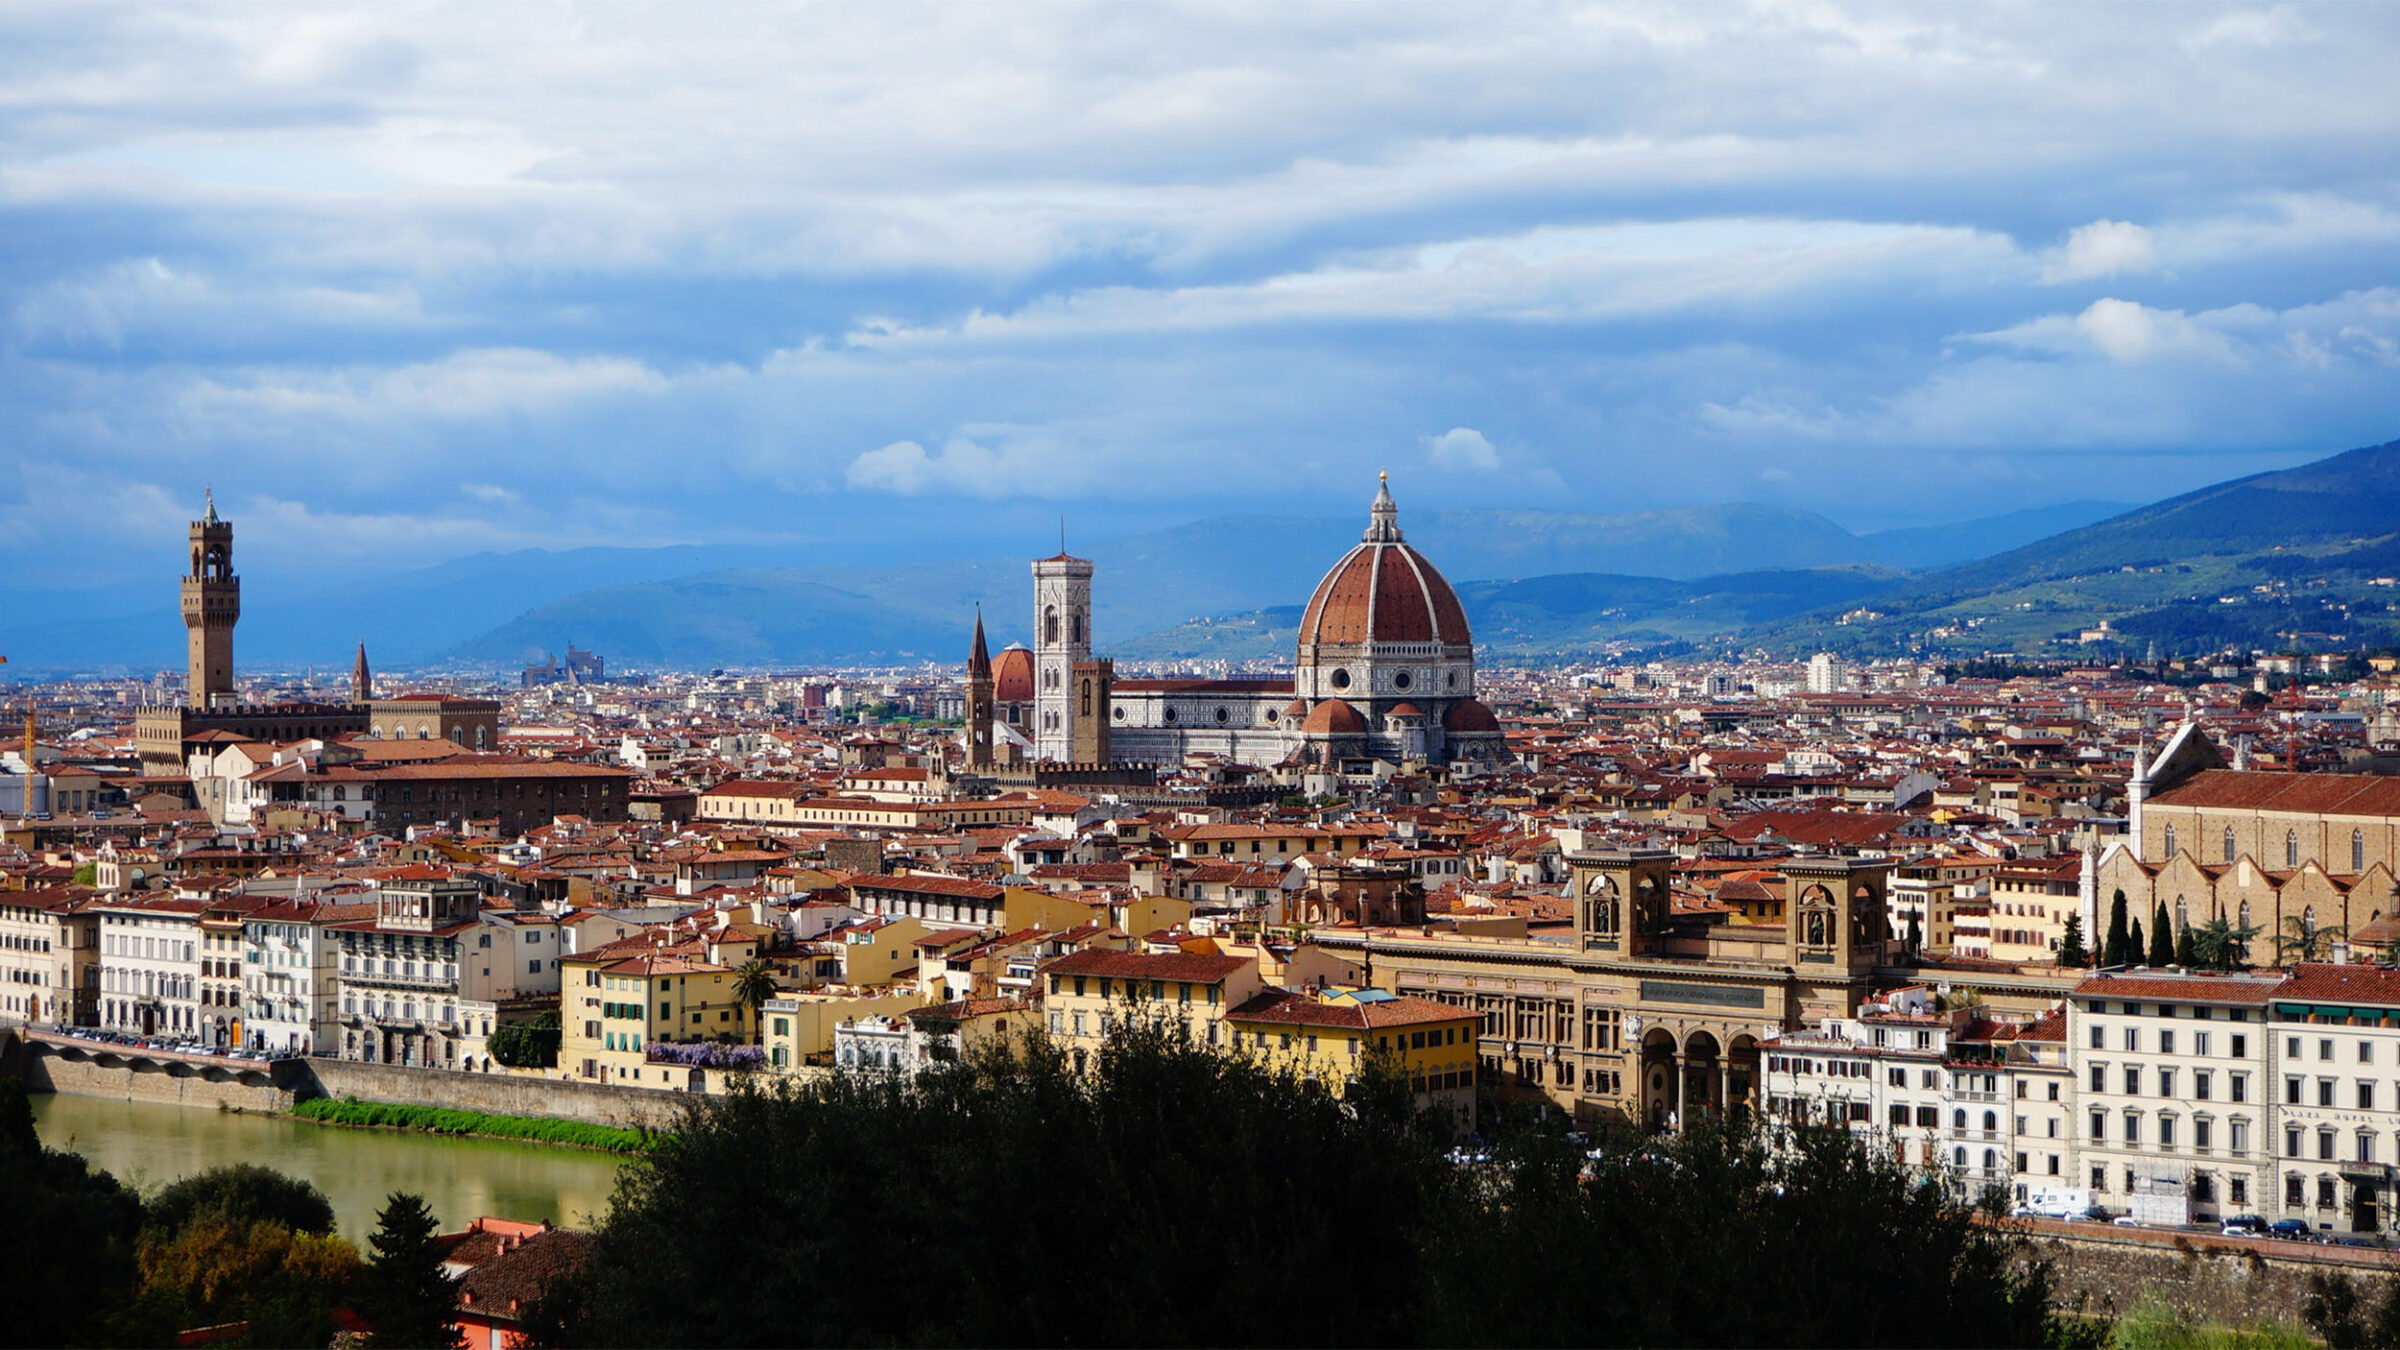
(86, 1260)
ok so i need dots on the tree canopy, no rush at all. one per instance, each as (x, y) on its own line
(1178, 1196)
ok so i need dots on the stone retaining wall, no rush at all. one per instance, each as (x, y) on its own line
(497, 1093)
(2203, 1277)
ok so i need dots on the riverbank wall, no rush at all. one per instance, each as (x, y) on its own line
(2203, 1277)
(85, 1069)
(497, 1094)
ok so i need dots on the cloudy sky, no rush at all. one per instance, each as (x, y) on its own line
(409, 281)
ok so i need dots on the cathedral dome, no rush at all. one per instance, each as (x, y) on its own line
(1467, 717)
(1334, 718)
(1383, 591)
(1012, 675)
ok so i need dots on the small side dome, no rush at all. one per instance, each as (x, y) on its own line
(1407, 710)
(1468, 717)
(1334, 718)
(1296, 708)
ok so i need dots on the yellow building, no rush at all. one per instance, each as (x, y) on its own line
(1331, 1036)
(798, 1023)
(880, 950)
(2031, 899)
(616, 1008)
(1088, 995)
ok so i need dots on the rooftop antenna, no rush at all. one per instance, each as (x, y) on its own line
(1062, 534)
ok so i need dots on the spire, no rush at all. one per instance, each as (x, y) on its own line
(211, 517)
(979, 658)
(362, 681)
(1384, 518)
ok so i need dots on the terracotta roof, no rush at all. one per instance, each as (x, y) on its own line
(512, 1280)
(2331, 794)
(2169, 987)
(2342, 984)
(1333, 717)
(1468, 717)
(1282, 1006)
(1146, 966)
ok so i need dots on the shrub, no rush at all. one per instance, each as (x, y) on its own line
(445, 1120)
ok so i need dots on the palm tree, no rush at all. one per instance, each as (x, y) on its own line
(753, 985)
(2218, 945)
(2301, 942)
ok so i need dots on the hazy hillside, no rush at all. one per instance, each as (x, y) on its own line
(501, 608)
(1577, 612)
(2290, 558)
(1237, 567)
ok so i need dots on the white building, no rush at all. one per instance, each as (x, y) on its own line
(1827, 674)
(2173, 1074)
(290, 988)
(150, 965)
(408, 975)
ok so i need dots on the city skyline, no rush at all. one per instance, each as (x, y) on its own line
(407, 282)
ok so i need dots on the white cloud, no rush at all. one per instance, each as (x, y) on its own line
(904, 467)
(2127, 331)
(1462, 448)
(2103, 248)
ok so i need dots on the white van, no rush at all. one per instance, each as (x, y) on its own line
(2055, 1202)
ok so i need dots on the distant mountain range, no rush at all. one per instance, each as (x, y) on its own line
(2293, 557)
(2302, 557)
(1156, 580)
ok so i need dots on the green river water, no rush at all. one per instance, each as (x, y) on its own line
(147, 1146)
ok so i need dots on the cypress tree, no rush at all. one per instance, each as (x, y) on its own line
(2070, 943)
(2135, 952)
(2162, 937)
(2112, 951)
(409, 1298)
(2183, 946)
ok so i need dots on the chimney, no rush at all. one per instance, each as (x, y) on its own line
(2341, 951)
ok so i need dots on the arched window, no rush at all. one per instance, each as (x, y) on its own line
(1075, 625)
(2291, 848)
(2229, 843)
(2358, 851)
(1050, 626)
(2170, 841)
(1991, 1120)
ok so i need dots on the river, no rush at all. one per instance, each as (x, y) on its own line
(148, 1145)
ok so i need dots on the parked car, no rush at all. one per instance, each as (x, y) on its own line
(2295, 1229)
(2245, 1225)
(2358, 1240)
(2127, 1221)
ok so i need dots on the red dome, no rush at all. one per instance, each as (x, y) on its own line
(1296, 708)
(1383, 591)
(1334, 718)
(1012, 676)
(1468, 717)
(1406, 710)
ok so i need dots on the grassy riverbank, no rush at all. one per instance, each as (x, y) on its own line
(443, 1120)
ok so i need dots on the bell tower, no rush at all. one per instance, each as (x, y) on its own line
(1621, 899)
(1836, 916)
(212, 604)
(1062, 636)
(979, 699)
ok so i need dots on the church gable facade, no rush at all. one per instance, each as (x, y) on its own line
(2281, 852)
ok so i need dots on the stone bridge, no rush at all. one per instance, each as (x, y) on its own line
(57, 1062)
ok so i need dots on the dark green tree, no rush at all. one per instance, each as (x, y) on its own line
(2112, 949)
(527, 1045)
(2304, 939)
(406, 1296)
(2162, 937)
(1916, 933)
(753, 985)
(242, 1194)
(1285, 1190)
(2219, 945)
(2186, 955)
(2136, 951)
(2071, 951)
(67, 1247)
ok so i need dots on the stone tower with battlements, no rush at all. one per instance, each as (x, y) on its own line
(212, 604)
